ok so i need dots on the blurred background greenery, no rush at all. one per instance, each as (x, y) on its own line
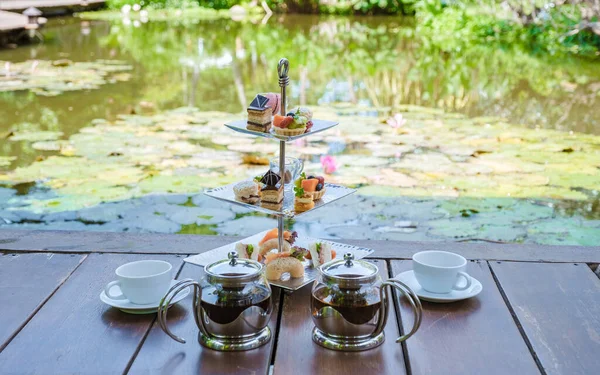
(562, 26)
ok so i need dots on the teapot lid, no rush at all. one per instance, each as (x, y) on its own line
(349, 272)
(233, 270)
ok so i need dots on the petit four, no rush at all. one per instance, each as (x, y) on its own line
(259, 115)
(274, 101)
(271, 194)
(305, 111)
(293, 123)
(302, 201)
(246, 251)
(247, 192)
(320, 253)
(312, 185)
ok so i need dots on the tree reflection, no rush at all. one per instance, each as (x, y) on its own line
(379, 62)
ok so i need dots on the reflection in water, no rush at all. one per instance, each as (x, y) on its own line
(370, 62)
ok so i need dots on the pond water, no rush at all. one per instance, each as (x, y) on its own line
(374, 65)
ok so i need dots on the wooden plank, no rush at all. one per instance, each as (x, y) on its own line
(18, 5)
(161, 354)
(74, 332)
(108, 242)
(147, 243)
(558, 306)
(12, 21)
(297, 354)
(26, 282)
(474, 336)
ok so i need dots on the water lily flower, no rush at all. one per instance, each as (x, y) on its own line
(396, 121)
(329, 164)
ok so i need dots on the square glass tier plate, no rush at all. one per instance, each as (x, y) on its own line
(318, 126)
(310, 272)
(333, 193)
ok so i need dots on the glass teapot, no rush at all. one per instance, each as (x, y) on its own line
(232, 305)
(350, 305)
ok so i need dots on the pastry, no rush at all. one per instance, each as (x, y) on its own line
(284, 263)
(274, 244)
(274, 101)
(320, 252)
(271, 193)
(247, 192)
(246, 251)
(259, 115)
(293, 123)
(302, 201)
(271, 241)
(305, 111)
(313, 186)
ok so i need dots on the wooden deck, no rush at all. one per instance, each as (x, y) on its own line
(12, 21)
(20, 5)
(538, 313)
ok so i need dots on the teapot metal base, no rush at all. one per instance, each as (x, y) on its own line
(346, 344)
(236, 345)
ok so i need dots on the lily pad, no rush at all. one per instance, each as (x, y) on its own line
(5, 161)
(35, 136)
(503, 233)
(47, 78)
(453, 229)
(50, 145)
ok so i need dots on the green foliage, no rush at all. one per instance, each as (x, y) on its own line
(559, 29)
(175, 4)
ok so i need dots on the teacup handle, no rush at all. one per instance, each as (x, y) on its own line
(166, 301)
(466, 277)
(108, 293)
(412, 299)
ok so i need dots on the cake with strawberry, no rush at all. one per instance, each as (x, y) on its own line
(295, 122)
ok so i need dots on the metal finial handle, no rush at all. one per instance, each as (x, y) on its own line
(282, 68)
(349, 257)
(233, 256)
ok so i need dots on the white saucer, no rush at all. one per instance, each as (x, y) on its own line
(131, 308)
(409, 279)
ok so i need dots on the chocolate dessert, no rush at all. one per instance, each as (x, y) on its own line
(259, 114)
(271, 195)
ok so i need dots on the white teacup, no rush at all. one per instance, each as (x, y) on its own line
(142, 282)
(440, 271)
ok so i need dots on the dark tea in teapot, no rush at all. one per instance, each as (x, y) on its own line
(356, 308)
(224, 306)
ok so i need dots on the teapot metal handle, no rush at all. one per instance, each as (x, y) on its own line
(385, 300)
(166, 301)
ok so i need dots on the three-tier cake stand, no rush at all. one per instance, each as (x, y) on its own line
(333, 193)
